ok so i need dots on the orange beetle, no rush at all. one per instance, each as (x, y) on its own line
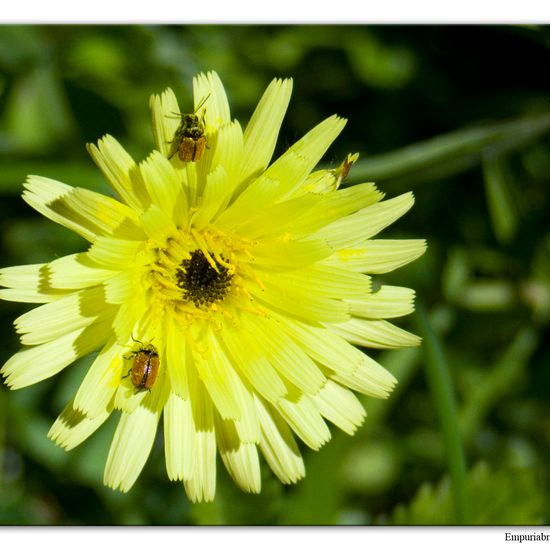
(191, 148)
(189, 140)
(145, 366)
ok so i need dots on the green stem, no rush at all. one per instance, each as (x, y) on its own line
(462, 149)
(441, 388)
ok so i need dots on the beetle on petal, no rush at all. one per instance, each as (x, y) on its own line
(145, 366)
(189, 140)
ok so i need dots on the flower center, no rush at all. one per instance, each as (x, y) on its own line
(201, 282)
(200, 275)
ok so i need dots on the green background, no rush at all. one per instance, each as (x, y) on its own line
(458, 114)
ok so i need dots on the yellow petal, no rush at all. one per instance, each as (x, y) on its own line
(219, 377)
(37, 363)
(387, 302)
(166, 119)
(333, 206)
(29, 283)
(213, 198)
(249, 358)
(115, 253)
(176, 352)
(307, 306)
(162, 181)
(101, 381)
(75, 311)
(180, 438)
(340, 406)
(367, 377)
(286, 356)
(379, 255)
(304, 418)
(130, 448)
(72, 427)
(375, 334)
(292, 168)
(202, 486)
(45, 196)
(355, 228)
(240, 459)
(209, 94)
(228, 152)
(121, 172)
(260, 136)
(278, 446)
(75, 272)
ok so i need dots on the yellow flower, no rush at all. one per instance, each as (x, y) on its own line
(223, 292)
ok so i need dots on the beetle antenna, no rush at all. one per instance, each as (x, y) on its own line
(202, 102)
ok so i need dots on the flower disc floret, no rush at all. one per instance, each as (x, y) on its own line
(202, 282)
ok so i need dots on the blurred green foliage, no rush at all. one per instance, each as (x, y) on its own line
(504, 497)
(461, 115)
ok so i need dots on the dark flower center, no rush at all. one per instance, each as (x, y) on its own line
(200, 282)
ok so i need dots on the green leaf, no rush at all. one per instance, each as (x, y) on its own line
(37, 114)
(377, 64)
(502, 209)
(498, 382)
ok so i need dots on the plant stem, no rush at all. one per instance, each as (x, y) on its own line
(441, 388)
(462, 148)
